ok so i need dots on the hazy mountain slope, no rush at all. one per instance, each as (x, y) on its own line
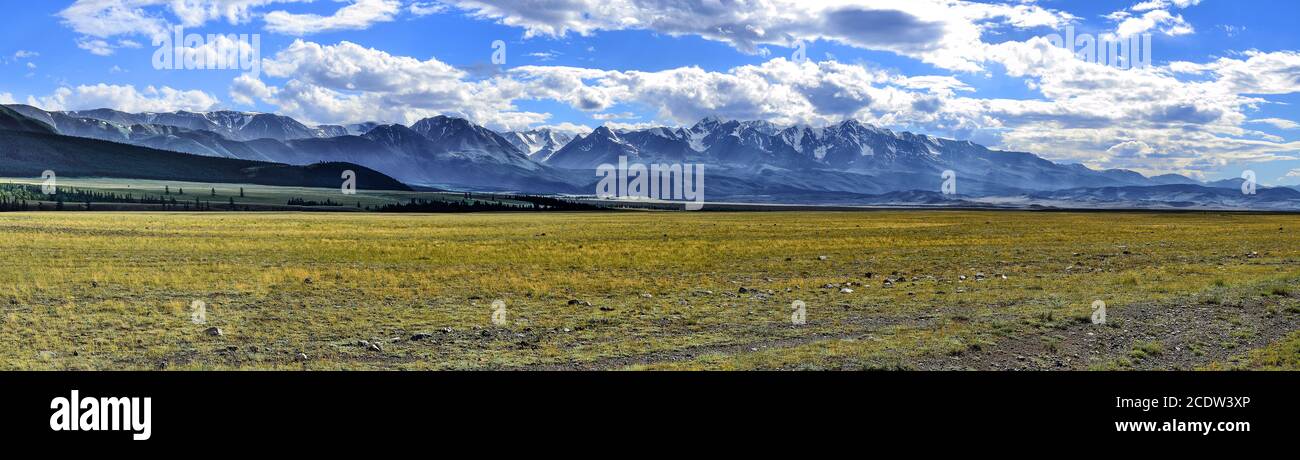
(14, 121)
(28, 154)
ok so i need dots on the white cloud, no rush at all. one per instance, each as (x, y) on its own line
(24, 54)
(1277, 123)
(125, 98)
(1153, 15)
(358, 15)
(247, 90)
(96, 47)
(572, 129)
(97, 21)
(427, 8)
(347, 82)
(7, 98)
(1159, 20)
(945, 33)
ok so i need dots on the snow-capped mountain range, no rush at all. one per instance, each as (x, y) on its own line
(539, 144)
(756, 161)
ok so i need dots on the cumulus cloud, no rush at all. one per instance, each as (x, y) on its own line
(347, 82)
(360, 14)
(98, 21)
(1152, 15)
(7, 98)
(125, 98)
(945, 33)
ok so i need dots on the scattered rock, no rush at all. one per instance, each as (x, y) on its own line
(301, 357)
(822, 257)
(606, 308)
(372, 346)
(307, 281)
(846, 291)
(961, 277)
(577, 302)
(647, 296)
(420, 336)
(214, 331)
(742, 290)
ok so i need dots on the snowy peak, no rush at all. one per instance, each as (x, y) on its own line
(538, 144)
(240, 126)
(460, 137)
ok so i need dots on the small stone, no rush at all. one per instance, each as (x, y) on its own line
(606, 308)
(301, 357)
(214, 331)
(647, 296)
(822, 257)
(307, 281)
(420, 336)
(846, 291)
(961, 277)
(742, 290)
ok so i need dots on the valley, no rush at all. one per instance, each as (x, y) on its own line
(649, 290)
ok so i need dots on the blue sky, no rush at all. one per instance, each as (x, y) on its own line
(1221, 96)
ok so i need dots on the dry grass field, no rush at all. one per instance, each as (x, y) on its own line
(650, 290)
